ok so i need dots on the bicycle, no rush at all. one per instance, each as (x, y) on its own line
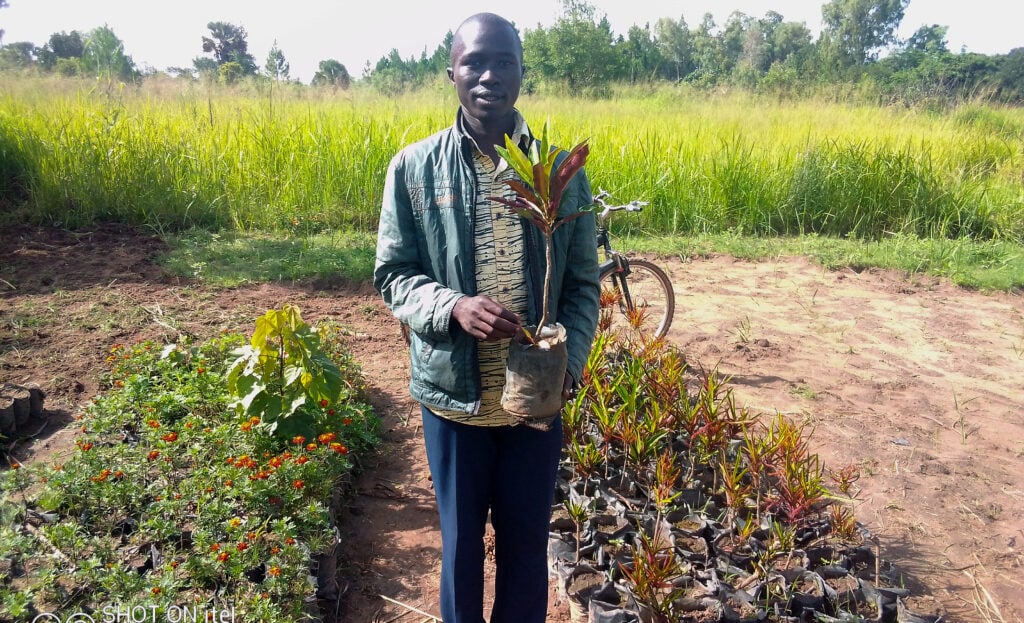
(636, 295)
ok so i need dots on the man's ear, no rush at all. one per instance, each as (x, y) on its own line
(451, 75)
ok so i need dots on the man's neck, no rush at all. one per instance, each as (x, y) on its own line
(489, 135)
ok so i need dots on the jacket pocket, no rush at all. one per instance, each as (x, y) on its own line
(433, 198)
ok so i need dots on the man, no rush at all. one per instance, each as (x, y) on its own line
(463, 274)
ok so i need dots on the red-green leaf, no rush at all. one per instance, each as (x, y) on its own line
(566, 170)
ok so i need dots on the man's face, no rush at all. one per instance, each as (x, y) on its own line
(487, 71)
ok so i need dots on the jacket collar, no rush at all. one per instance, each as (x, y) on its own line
(520, 135)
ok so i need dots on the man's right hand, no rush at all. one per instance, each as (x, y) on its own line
(484, 318)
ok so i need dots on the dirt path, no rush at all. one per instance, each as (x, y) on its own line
(915, 381)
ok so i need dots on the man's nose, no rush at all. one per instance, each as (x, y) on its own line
(489, 76)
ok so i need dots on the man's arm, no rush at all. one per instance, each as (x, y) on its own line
(400, 273)
(579, 300)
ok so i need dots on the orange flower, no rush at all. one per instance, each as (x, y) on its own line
(298, 440)
(153, 423)
(153, 455)
(326, 437)
(287, 454)
(101, 476)
(235, 522)
(289, 541)
(339, 448)
(223, 556)
(324, 403)
(254, 420)
(118, 474)
(347, 421)
(215, 547)
(275, 550)
(155, 590)
(274, 571)
(86, 446)
(174, 564)
(228, 483)
(242, 546)
(250, 536)
(311, 447)
(200, 370)
(301, 459)
(15, 465)
(230, 460)
(189, 425)
(246, 426)
(298, 484)
(276, 461)
(170, 437)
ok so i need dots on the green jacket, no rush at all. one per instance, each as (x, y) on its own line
(425, 263)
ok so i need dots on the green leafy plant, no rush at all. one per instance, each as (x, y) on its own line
(539, 194)
(283, 376)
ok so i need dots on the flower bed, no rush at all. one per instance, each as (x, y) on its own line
(673, 504)
(177, 497)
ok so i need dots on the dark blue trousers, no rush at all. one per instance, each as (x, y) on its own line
(510, 471)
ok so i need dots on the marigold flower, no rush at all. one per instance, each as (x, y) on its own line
(235, 522)
(275, 550)
(101, 476)
(215, 547)
(177, 496)
(326, 437)
(251, 536)
(200, 370)
(207, 430)
(153, 423)
(229, 483)
(347, 421)
(174, 564)
(274, 571)
(156, 590)
(311, 447)
(287, 454)
(298, 440)
(86, 446)
(170, 437)
(276, 461)
(339, 448)
(298, 484)
(242, 546)
(223, 556)
(246, 426)
(118, 474)
(153, 455)
(302, 459)
(189, 424)
(324, 403)
(254, 420)
(289, 541)
(15, 465)
(330, 412)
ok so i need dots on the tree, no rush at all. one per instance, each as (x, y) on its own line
(576, 51)
(3, 4)
(854, 31)
(17, 55)
(641, 55)
(929, 39)
(1010, 77)
(104, 54)
(332, 73)
(277, 67)
(676, 46)
(228, 43)
(707, 54)
(230, 72)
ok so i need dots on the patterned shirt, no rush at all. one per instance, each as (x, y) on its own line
(500, 276)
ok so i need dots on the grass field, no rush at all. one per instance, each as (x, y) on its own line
(296, 161)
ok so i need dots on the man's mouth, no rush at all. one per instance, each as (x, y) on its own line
(489, 97)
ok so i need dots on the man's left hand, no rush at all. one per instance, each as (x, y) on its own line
(567, 388)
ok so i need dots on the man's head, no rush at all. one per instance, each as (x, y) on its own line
(487, 68)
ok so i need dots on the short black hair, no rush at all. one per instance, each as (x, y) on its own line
(484, 18)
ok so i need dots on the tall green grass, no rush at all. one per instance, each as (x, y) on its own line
(170, 156)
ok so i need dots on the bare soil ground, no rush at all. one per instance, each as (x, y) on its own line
(919, 383)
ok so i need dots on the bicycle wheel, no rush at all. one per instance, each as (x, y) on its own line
(640, 298)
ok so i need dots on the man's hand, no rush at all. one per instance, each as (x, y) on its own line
(484, 318)
(567, 388)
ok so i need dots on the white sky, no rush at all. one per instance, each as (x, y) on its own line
(162, 34)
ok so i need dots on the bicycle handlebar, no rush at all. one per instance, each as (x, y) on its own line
(599, 199)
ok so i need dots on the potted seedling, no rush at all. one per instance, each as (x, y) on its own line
(537, 357)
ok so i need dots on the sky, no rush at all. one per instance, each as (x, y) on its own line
(164, 34)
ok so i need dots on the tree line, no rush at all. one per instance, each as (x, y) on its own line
(581, 55)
